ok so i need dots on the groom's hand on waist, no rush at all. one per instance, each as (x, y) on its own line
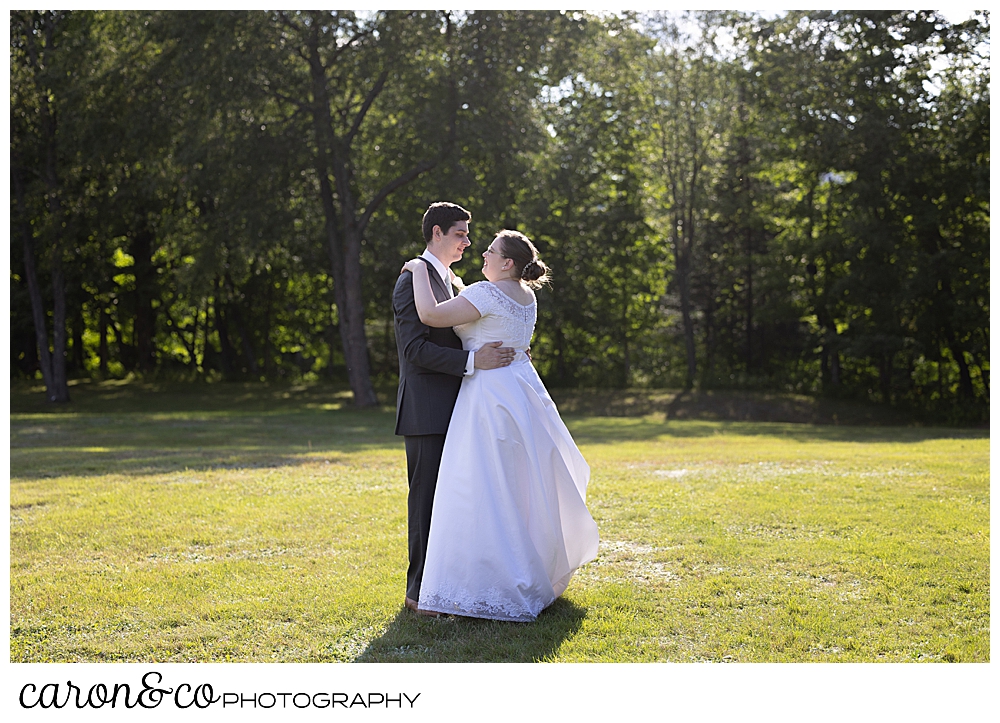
(494, 356)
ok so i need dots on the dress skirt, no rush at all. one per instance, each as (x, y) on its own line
(510, 523)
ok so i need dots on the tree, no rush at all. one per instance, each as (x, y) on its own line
(866, 128)
(44, 63)
(690, 100)
(583, 208)
(344, 62)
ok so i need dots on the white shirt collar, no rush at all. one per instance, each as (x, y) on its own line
(441, 268)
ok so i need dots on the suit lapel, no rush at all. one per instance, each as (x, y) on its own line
(440, 290)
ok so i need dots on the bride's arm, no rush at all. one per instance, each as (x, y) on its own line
(448, 313)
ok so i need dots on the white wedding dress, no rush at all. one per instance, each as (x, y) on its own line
(509, 524)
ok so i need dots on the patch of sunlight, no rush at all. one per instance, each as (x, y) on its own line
(671, 472)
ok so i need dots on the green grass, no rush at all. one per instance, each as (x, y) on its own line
(267, 524)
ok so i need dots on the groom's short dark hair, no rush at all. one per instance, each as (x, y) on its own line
(445, 215)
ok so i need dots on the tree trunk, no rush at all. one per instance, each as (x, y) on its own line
(60, 391)
(345, 262)
(60, 388)
(115, 331)
(34, 293)
(560, 355)
(350, 300)
(627, 364)
(102, 348)
(346, 281)
(683, 263)
(194, 340)
(387, 344)
(345, 226)
(749, 341)
(336, 258)
(965, 389)
(885, 377)
(268, 365)
(57, 389)
(145, 290)
(78, 327)
(247, 343)
(356, 353)
(710, 337)
(189, 348)
(227, 357)
(744, 174)
(126, 352)
(331, 334)
(205, 328)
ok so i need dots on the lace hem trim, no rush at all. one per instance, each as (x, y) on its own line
(491, 604)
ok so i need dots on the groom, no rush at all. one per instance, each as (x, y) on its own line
(431, 366)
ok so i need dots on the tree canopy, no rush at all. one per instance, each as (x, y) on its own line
(798, 202)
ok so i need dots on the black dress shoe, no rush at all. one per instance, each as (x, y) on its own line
(411, 604)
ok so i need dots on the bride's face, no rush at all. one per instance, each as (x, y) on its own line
(495, 266)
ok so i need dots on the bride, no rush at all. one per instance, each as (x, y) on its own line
(509, 524)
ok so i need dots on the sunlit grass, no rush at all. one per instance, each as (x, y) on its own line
(245, 525)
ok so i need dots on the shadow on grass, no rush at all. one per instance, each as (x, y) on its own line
(126, 396)
(137, 428)
(141, 444)
(155, 443)
(734, 405)
(614, 430)
(413, 639)
(158, 462)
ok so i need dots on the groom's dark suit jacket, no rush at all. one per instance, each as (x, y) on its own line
(431, 363)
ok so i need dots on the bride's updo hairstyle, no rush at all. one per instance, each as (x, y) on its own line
(527, 266)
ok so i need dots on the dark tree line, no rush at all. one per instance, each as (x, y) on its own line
(798, 203)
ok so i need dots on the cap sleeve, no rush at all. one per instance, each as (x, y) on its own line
(481, 295)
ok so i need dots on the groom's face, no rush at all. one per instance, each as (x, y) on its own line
(448, 247)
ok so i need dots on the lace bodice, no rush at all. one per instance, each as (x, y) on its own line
(503, 319)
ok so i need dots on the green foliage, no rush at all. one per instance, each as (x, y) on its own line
(797, 203)
(583, 207)
(878, 239)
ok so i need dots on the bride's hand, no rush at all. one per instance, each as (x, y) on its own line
(411, 265)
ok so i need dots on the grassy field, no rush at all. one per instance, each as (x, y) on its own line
(267, 524)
